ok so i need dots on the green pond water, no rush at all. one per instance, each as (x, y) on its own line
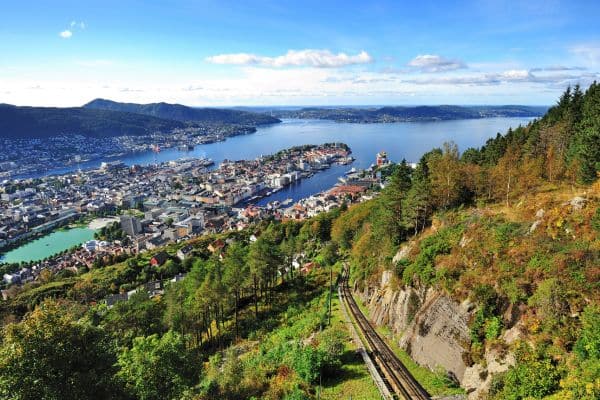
(48, 245)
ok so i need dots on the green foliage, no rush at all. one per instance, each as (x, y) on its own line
(477, 326)
(139, 316)
(111, 232)
(423, 267)
(53, 355)
(328, 254)
(485, 324)
(507, 232)
(530, 379)
(157, 367)
(596, 220)
(492, 328)
(550, 299)
(588, 344)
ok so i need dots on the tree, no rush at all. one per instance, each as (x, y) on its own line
(588, 344)
(391, 203)
(417, 204)
(51, 355)
(157, 367)
(264, 259)
(585, 143)
(329, 253)
(445, 173)
(234, 277)
(504, 173)
(139, 316)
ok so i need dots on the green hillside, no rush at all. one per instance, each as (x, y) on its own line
(180, 112)
(40, 122)
(514, 227)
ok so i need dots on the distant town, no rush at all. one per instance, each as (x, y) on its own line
(151, 206)
(36, 156)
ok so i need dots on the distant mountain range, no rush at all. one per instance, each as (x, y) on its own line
(102, 118)
(180, 112)
(404, 114)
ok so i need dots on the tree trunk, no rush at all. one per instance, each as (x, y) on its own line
(255, 298)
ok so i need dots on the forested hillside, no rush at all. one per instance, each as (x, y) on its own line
(42, 122)
(405, 113)
(101, 118)
(511, 228)
(180, 112)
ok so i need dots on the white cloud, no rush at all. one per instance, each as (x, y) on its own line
(435, 63)
(588, 52)
(74, 25)
(557, 68)
(516, 75)
(259, 85)
(294, 58)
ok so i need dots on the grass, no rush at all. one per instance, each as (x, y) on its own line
(435, 382)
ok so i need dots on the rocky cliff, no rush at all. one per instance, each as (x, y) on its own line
(433, 329)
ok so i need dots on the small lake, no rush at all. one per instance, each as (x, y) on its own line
(48, 245)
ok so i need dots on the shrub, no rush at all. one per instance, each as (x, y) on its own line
(596, 220)
(531, 379)
(437, 244)
(493, 326)
(588, 344)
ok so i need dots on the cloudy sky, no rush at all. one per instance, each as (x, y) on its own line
(221, 53)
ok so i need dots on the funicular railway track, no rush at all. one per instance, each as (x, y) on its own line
(399, 380)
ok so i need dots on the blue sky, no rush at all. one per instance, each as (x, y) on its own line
(221, 53)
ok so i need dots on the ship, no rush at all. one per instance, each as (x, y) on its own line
(186, 147)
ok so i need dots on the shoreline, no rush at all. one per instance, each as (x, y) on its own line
(99, 223)
(94, 225)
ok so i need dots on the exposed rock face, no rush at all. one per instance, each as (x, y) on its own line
(438, 335)
(477, 379)
(434, 331)
(432, 328)
(577, 203)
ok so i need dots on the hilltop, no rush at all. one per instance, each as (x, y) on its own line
(180, 112)
(105, 118)
(40, 122)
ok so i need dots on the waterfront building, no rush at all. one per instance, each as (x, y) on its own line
(381, 159)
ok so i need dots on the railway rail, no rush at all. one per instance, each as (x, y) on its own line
(400, 381)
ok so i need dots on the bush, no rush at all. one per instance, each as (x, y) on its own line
(588, 344)
(596, 220)
(437, 244)
(332, 343)
(531, 379)
(493, 326)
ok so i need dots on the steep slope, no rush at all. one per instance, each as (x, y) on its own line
(180, 112)
(494, 295)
